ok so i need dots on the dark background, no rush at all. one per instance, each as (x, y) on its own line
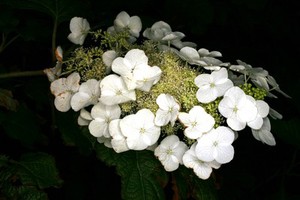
(263, 33)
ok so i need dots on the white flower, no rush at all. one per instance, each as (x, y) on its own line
(237, 108)
(197, 122)
(135, 71)
(191, 56)
(216, 145)
(102, 116)
(140, 130)
(108, 57)
(133, 59)
(123, 20)
(161, 32)
(170, 152)
(79, 29)
(84, 118)
(202, 169)
(88, 94)
(146, 77)
(212, 85)
(118, 141)
(114, 91)
(63, 90)
(262, 112)
(264, 133)
(168, 110)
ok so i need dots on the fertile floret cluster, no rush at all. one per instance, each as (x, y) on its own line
(153, 91)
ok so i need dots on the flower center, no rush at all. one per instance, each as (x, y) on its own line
(235, 109)
(212, 85)
(119, 92)
(142, 131)
(215, 143)
(194, 124)
(169, 151)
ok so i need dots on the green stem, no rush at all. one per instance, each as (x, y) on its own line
(4, 44)
(22, 74)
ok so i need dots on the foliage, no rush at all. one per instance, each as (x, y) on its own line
(28, 177)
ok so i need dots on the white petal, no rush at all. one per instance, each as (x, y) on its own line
(62, 102)
(122, 20)
(79, 101)
(262, 108)
(135, 25)
(98, 127)
(225, 154)
(206, 95)
(236, 124)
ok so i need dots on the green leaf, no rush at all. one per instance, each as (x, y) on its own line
(189, 185)
(139, 171)
(3, 160)
(39, 169)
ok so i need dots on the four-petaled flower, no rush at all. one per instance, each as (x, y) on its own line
(237, 108)
(63, 89)
(79, 29)
(216, 145)
(201, 168)
(114, 91)
(123, 20)
(102, 115)
(212, 85)
(88, 94)
(170, 152)
(140, 130)
(197, 122)
(135, 71)
(168, 110)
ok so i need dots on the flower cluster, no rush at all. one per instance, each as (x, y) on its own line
(160, 93)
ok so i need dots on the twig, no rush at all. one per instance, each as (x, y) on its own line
(22, 74)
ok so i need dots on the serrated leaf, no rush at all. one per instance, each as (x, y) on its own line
(39, 169)
(139, 172)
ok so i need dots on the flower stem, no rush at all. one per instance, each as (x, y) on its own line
(22, 74)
